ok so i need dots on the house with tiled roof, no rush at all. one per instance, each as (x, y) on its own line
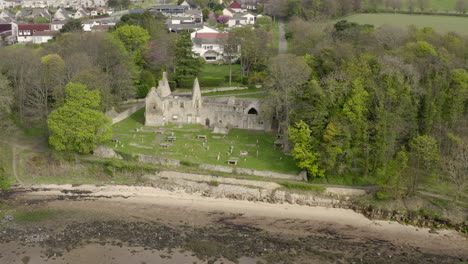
(61, 14)
(81, 13)
(209, 44)
(242, 19)
(27, 31)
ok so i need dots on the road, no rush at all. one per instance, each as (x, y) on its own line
(283, 44)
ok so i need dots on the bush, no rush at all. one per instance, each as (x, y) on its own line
(235, 79)
(383, 195)
(302, 186)
(211, 81)
(4, 184)
(185, 82)
(213, 183)
(256, 78)
(172, 85)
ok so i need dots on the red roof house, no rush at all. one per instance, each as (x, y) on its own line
(30, 29)
(235, 5)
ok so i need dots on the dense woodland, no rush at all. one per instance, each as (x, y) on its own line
(384, 105)
(360, 105)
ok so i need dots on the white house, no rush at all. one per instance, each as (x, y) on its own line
(209, 44)
(80, 13)
(42, 36)
(57, 25)
(26, 32)
(242, 19)
(88, 25)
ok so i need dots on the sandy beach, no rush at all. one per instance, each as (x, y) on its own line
(177, 209)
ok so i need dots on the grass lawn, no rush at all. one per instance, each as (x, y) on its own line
(441, 24)
(432, 5)
(191, 150)
(275, 37)
(233, 93)
(221, 71)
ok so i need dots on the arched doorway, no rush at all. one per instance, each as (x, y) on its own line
(252, 111)
(207, 122)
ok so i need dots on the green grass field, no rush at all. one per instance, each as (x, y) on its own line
(441, 24)
(432, 5)
(191, 150)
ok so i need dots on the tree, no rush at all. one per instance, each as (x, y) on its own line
(254, 52)
(456, 165)
(53, 76)
(73, 25)
(135, 40)
(422, 5)
(186, 65)
(303, 150)
(205, 11)
(426, 154)
(286, 73)
(276, 8)
(460, 6)
(78, 125)
(223, 19)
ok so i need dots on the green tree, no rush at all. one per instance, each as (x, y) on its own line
(53, 72)
(303, 150)
(135, 40)
(186, 65)
(73, 25)
(425, 152)
(78, 125)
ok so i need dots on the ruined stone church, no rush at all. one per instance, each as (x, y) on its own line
(217, 113)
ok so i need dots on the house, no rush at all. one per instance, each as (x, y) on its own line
(242, 19)
(101, 28)
(98, 12)
(61, 14)
(26, 31)
(209, 44)
(42, 36)
(195, 14)
(88, 25)
(81, 13)
(22, 14)
(217, 113)
(229, 12)
(188, 5)
(57, 25)
(170, 10)
(40, 12)
(236, 7)
(5, 4)
(5, 14)
(179, 27)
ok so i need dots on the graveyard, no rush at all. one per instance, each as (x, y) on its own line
(195, 144)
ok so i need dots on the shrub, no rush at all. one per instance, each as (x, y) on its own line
(185, 82)
(211, 81)
(302, 186)
(383, 195)
(213, 183)
(4, 184)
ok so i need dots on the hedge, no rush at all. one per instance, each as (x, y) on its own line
(211, 81)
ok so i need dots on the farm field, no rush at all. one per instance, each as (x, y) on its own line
(441, 24)
(191, 150)
(432, 5)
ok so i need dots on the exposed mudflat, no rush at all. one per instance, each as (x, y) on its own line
(125, 224)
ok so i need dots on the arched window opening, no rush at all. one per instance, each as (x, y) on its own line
(252, 111)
